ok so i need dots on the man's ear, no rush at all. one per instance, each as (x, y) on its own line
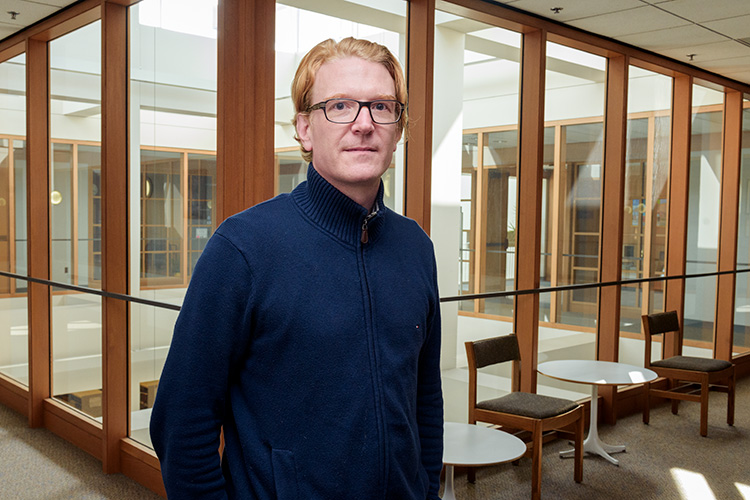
(304, 132)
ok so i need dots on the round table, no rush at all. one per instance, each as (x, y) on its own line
(596, 373)
(470, 445)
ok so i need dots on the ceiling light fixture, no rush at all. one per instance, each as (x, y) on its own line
(690, 56)
(556, 10)
(13, 14)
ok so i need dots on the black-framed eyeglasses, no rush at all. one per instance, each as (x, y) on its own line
(382, 111)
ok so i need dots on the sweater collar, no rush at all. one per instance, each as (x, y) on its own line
(335, 212)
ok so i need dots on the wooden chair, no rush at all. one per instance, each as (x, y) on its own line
(524, 411)
(689, 378)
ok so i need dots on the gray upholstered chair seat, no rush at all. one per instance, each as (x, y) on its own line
(528, 405)
(692, 363)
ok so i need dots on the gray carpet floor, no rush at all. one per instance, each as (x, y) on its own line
(665, 460)
(36, 464)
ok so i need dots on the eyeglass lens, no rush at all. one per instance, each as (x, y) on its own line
(345, 110)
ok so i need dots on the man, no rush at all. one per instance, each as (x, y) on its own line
(311, 328)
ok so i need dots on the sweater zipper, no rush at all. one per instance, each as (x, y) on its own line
(365, 236)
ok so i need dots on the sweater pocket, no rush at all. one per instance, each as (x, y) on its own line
(284, 474)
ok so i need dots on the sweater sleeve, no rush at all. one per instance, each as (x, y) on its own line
(430, 401)
(211, 332)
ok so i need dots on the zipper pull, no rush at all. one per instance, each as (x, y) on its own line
(366, 237)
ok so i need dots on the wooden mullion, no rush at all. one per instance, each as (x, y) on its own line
(115, 231)
(245, 130)
(613, 199)
(419, 76)
(37, 196)
(728, 224)
(529, 223)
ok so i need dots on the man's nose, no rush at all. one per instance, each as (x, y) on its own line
(363, 121)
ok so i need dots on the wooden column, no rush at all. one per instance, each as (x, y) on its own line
(419, 77)
(611, 223)
(245, 107)
(679, 186)
(115, 239)
(529, 224)
(37, 196)
(728, 220)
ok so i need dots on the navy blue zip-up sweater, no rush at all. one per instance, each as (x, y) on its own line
(316, 352)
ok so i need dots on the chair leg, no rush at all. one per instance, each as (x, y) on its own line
(471, 475)
(646, 402)
(730, 400)
(704, 407)
(675, 402)
(536, 462)
(578, 471)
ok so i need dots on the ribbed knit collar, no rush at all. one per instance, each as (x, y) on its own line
(335, 212)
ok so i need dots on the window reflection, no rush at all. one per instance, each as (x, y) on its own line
(173, 177)
(645, 208)
(75, 217)
(703, 218)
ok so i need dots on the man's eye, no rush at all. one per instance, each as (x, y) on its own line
(381, 106)
(339, 106)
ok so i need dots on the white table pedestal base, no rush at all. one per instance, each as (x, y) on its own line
(592, 443)
(449, 493)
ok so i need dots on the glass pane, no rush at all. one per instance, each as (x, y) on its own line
(202, 209)
(703, 218)
(572, 186)
(741, 340)
(498, 229)
(173, 209)
(474, 172)
(89, 216)
(580, 217)
(546, 260)
(161, 218)
(297, 31)
(75, 84)
(14, 340)
(468, 242)
(645, 209)
(19, 189)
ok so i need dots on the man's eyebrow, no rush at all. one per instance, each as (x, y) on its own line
(379, 97)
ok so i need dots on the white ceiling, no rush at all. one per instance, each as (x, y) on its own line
(715, 32)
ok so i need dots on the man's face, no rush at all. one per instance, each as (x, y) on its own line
(352, 156)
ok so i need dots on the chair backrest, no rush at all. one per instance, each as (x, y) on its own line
(658, 324)
(490, 352)
(494, 350)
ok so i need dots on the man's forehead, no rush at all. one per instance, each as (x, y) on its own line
(345, 76)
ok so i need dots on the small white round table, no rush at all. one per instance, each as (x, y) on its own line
(473, 446)
(596, 373)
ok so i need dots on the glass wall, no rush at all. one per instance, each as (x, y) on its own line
(75, 217)
(13, 305)
(297, 31)
(646, 201)
(741, 340)
(172, 176)
(703, 218)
